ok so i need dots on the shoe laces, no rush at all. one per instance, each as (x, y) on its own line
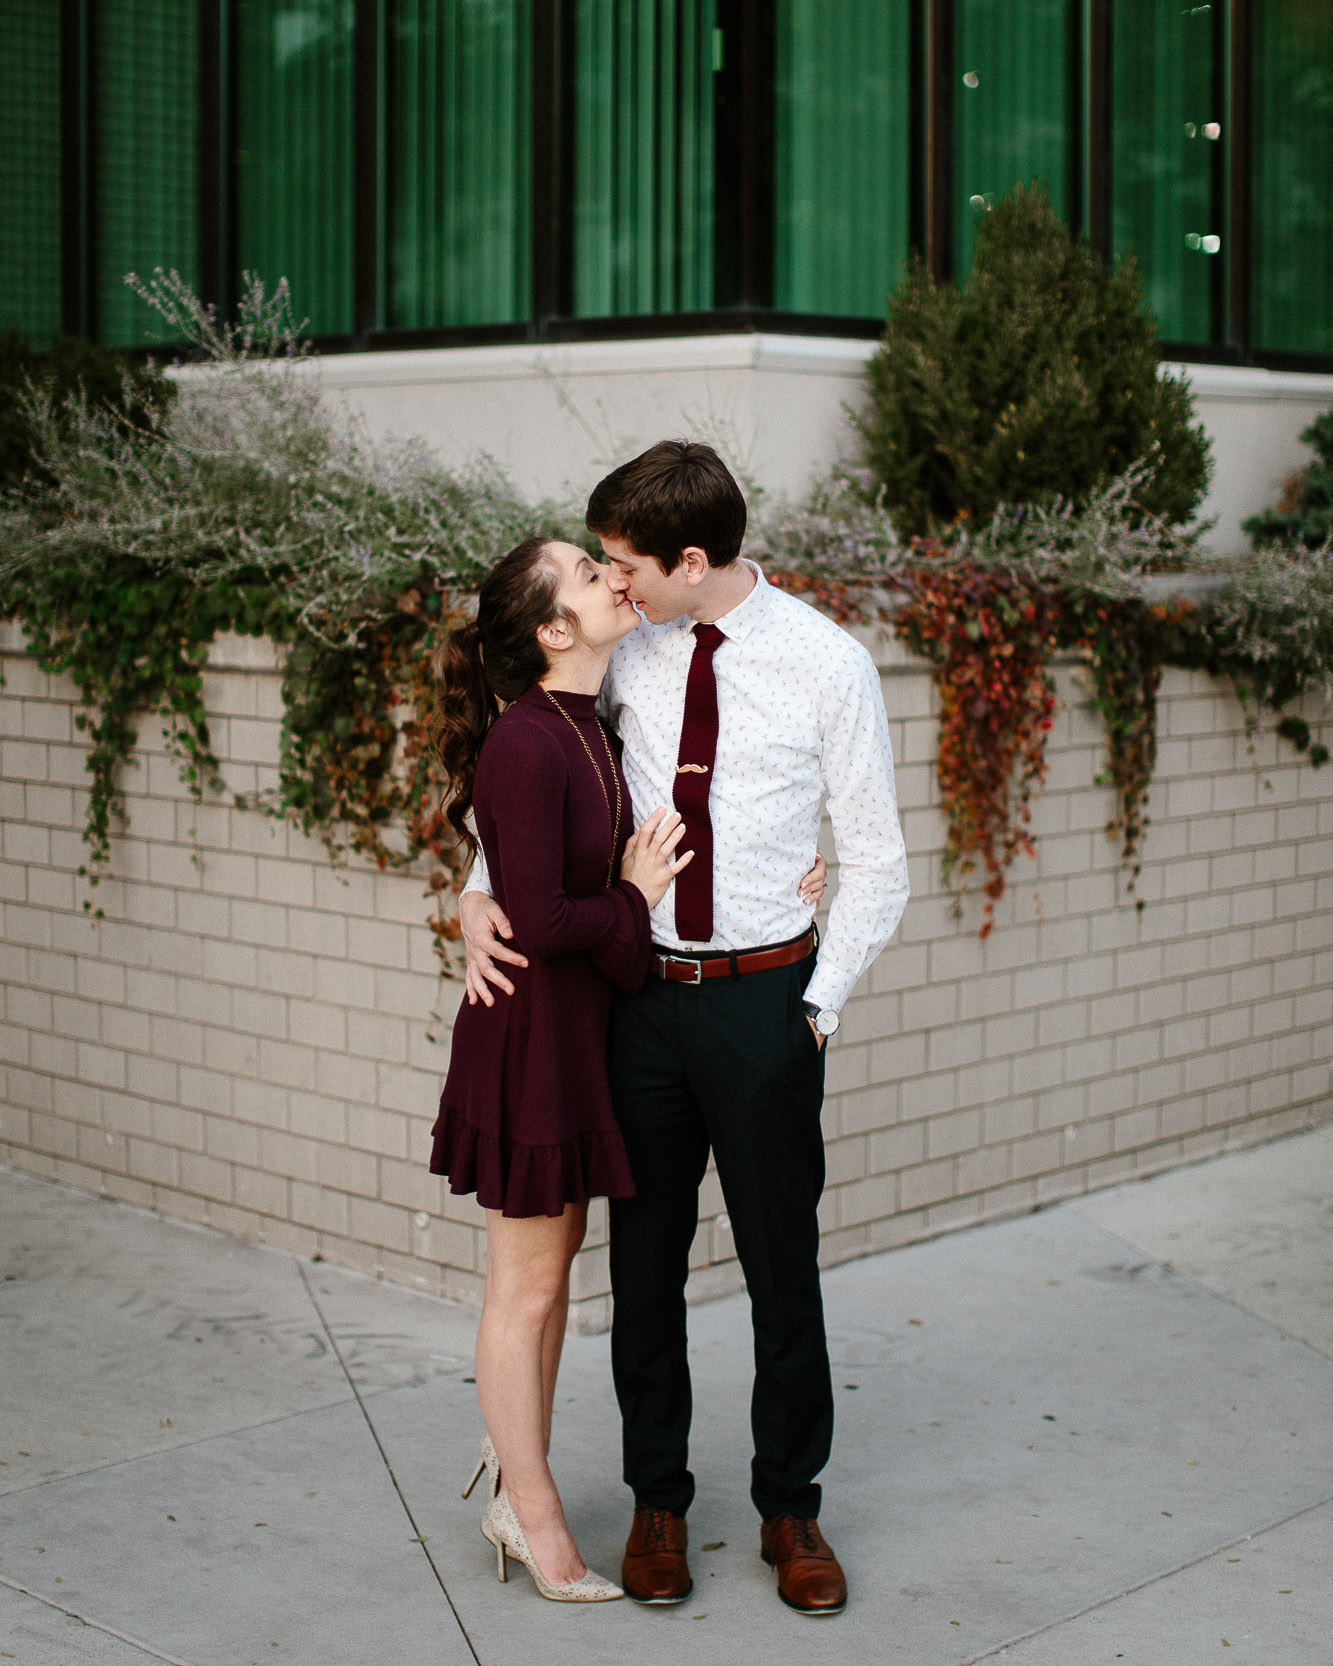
(656, 1522)
(805, 1536)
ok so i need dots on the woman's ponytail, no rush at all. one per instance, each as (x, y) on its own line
(494, 658)
(465, 708)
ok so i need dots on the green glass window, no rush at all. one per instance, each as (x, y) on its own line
(1292, 234)
(643, 143)
(145, 155)
(458, 134)
(30, 170)
(1166, 173)
(294, 153)
(843, 100)
(1013, 107)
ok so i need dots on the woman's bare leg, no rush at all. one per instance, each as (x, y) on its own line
(553, 1338)
(527, 1280)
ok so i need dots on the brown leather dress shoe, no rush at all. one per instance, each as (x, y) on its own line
(655, 1569)
(809, 1578)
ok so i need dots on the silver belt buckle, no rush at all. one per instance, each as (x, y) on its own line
(685, 960)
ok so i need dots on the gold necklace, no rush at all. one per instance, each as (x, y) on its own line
(613, 815)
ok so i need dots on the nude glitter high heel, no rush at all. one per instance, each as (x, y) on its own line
(488, 1461)
(500, 1525)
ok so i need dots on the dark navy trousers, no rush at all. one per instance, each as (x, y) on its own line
(729, 1065)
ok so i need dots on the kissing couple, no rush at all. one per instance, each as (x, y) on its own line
(638, 753)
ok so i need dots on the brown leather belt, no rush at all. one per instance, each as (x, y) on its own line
(726, 963)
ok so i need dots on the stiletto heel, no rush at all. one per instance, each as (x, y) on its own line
(501, 1526)
(490, 1463)
(501, 1570)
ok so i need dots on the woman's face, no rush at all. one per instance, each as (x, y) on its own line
(603, 615)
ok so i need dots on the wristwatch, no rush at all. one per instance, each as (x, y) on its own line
(824, 1019)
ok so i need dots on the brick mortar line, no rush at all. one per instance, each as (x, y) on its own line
(1072, 794)
(1019, 886)
(1014, 1143)
(1112, 1074)
(218, 1030)
(960, 980)
(915, 1077)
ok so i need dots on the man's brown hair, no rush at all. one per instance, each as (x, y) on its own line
(677, 493)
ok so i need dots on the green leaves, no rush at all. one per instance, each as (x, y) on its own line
(1303, 518)
(1038, 378)
(155, 516)
(131, 636)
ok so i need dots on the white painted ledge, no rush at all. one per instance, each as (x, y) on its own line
(432, 366)
(1246, 384)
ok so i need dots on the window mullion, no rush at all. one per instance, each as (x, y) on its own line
(76, 215)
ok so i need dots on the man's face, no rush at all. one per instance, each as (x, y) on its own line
(659, 596)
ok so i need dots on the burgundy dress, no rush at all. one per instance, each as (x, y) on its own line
(525, 1117)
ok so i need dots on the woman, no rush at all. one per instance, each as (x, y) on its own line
(525, 1117)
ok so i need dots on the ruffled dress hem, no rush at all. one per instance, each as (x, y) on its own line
(522, 1180)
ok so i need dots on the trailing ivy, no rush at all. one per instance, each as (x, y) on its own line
(147, 527)
(356, 768)
(136, 640)
(144, 529)
(1124, 662)
(1083, 571)
(989, 635)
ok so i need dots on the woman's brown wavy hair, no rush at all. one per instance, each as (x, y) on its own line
(488, 662)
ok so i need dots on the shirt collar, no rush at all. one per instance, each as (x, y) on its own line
(746, 616)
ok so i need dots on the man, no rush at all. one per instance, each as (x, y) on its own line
(748, 710)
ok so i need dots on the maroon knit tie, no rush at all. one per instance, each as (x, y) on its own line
(694, 778)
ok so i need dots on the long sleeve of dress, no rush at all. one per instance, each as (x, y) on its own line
(522, 819)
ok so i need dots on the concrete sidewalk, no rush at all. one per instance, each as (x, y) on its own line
(1100, 1433)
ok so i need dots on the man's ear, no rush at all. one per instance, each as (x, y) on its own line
(555, 636)
(695, 562)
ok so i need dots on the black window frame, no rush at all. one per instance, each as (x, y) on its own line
(744, 181)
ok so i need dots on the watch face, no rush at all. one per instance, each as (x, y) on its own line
(827, 1021)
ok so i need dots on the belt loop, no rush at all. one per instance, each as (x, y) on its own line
(735, 969)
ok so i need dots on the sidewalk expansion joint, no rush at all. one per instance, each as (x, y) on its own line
(1145, 1584)
(152, 1452)
(1284, 1332)
(93, 1625)
(419, 1536)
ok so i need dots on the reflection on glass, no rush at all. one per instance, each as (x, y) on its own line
(458, 146)
(145, 156)
(294, 153)
(1293, 176)
(1013, 107)
(643, 141)
(1165, 180)
(30, 170)
(842, 154)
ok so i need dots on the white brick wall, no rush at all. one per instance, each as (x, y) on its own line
(244, 1039)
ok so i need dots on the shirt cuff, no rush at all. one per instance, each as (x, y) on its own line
(828, 987)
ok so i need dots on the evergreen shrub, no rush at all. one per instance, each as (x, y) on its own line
(1037, 379)
(1303, 518)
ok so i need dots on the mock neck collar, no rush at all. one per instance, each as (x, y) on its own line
(573, 705)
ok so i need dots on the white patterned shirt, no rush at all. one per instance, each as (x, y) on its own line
(800, 719)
